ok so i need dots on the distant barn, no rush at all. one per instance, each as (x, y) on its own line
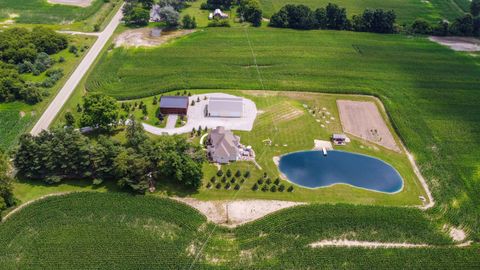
(224, 107)
(174, 105)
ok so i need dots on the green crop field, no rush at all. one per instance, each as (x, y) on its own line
(430, 92)
(120, 231)
(63, 16)
(406, 10)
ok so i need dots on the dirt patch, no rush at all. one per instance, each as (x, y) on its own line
(234, 213)
(464, 44)
(22, 114)
(458, 235)
(142, 37)
(78, 3)
(362, 119)
(364, 244)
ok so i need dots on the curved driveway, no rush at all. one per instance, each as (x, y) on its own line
(56, 105)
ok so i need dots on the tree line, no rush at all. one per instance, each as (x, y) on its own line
(28, 51)
(137, 164)
(333, 17)
(466, 25)
(6, 187)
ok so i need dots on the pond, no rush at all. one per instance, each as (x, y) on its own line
(312, 169)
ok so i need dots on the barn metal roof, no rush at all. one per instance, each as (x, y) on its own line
(218, 106)
(174, 102)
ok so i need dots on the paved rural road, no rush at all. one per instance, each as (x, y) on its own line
(56, 105)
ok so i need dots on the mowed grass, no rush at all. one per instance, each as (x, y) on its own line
(291, 127)
(430, 92)
(18, 117)
(406, 10)
(114, 230)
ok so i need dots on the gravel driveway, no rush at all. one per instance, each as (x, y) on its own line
(196, 117)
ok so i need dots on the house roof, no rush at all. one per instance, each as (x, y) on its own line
(225, 106)
(339, 136)
(224, 142)
(174, 102)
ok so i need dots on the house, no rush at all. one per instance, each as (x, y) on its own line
(154, 13)
(340, 139)
(224, 107)
(174, 105)
(223, 146)
(218, 14)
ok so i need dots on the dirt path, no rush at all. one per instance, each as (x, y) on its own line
(77, 3)
(96, 34)
(20, 207)
(462, 44)
(237, 212)
(364, 244)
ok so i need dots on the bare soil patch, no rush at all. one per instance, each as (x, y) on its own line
(235, 213)
(364, 244)
(458, 235)
(142, 37)
(464, 44)
(362, 119)
(78, 3)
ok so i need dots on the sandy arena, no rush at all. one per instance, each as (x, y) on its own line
(463, 44)
(78, 3)
(362, 119)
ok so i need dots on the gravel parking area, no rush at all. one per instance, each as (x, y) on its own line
(362, 119)
(196, 117)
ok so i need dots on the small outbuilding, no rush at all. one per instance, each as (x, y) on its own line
(224, 107)
(339, 139)
(174, 105)
(217, 13)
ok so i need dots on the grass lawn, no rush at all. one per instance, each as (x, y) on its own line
(115, 230)
(430, 92)
(18, 117)
(68, 17)
(407, 10)
(291, 127)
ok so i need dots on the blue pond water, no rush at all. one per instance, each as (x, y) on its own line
(312, 169)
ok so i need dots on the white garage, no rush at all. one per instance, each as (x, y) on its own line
(224, 107)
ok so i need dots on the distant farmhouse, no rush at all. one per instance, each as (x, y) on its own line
(217, 14)
(224, 107)
(223, 146)
(174, 105)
